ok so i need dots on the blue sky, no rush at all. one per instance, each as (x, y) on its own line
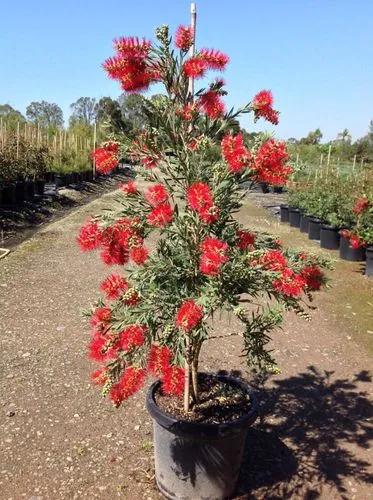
(316, 56)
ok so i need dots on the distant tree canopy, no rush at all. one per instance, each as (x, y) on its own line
(313, 137)
(11, 116)
(84, 110)
(46, 114)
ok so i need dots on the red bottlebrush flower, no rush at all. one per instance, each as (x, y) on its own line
(106, 158)
(213, 256)
(132, 336)
(270, 163)
(131, 67)
(173, 381)
(130, 382)
(156, 195)
(189, 315)
(161, 216)
(184, 38)
(114, 286)
(129, 188)
(245, 239)
(195, 67)
(149, 162)
(132, 47)
(235, 153)
(114, 254)
(188, 111)
(313, 276)
(361, 205)
(214, 59)
(89, 237)
(262, 105)
(355, 242)
(212, 104)
(159, 359)
(139, 255)
(100, 348)
(101, 318)
(274, 260)
(199, 196)
(289, 284)
(99, 377)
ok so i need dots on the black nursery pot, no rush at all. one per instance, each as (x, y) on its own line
(346, 252)
(294, 216)
(369, 261)
(329, 237)
(39, 187)
(30, 190)
(264, 187)
(284, 213)
(196, 460)
(314, 228)
(304, 223)
(9, 194)
(278, 189)
(20, 191)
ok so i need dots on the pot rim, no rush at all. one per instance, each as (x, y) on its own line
(203, 430)
(330, 227)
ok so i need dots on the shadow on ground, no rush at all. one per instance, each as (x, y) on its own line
(318, 417)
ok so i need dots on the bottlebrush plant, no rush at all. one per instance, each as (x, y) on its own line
(155, 319)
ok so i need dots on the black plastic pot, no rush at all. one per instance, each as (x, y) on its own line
(39, 187)
(329, 237)
(20, 191)
(1, 195)
(346, 252)
(9, 194)
(278, 189)
(60, 180)
(284, 213)
(314, 227)
(264, 187)
(369, 261)
(30, 190)
(304, 223)
(294, 216)
(197, 460)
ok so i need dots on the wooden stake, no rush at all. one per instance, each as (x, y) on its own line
(354, 164)
(329, 152)
(94, 147)
(192, 50)
(17, 140)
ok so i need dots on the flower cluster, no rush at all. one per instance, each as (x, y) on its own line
(189, 315)
(213, 256)
(235, 152)
(289, 283)
(262, 105)
(270, 163)
(132, 65)
(118, 243)
(211, 104)
(171, 376)
(106, 157)
(129, 383)
(353, 239)
(184, 38)
(129, 188)
(200, 199)
(246, 239)
(196, 66)
(361, 205)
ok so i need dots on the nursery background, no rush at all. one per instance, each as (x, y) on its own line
(57, 106)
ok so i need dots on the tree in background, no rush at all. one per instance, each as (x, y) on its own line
(312, 138)
(84, 110)
(11, 116)
(46, 114)
(109, 116)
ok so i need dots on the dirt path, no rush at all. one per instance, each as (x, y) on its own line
(60, 440)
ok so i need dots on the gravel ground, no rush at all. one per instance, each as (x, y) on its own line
(60, 440)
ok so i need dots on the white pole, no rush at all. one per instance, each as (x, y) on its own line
(192, 50)
(94, 147)
(329, 152)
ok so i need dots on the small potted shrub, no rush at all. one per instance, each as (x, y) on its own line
(363, 210)
(156, 319)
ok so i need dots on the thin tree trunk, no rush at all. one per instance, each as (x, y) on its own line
(187, 387)
(195, 373)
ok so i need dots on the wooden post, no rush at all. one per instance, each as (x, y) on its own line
(354, 164)
(192, 50)
(297, 160)
(17, 140)
(1, 133)
(329, 152)
(94, 147)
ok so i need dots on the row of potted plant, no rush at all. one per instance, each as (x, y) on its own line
(338, 213)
